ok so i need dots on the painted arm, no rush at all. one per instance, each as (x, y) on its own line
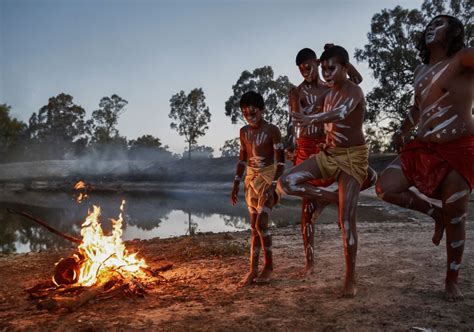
(293, 106)
(467, 57)
(410, 122)
(338, 113)
(240, 169)
(279, 156)
(354, 74)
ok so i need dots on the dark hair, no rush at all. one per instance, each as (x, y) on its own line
(252, 98)
(454, 38)
(335, 51)
(304, 55)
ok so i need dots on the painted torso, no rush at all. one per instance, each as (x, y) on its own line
(347, 131)
(259, 144)
(307, 94)
(444, 94)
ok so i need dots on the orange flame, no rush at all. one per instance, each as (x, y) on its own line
(106, 254)
(81, 187)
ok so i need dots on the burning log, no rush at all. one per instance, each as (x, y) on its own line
(101, 268)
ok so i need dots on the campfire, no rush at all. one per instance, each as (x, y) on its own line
(101, 267)
(100, 257)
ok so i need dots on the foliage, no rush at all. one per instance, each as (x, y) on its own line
(393, 58)
(58, 128)
(274, 92)
(190, 116)
(105, 119)
(147, 147)
(231, 148)
(11, 132)
(200, 151)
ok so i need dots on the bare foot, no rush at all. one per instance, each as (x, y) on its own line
(453, 293)
(350, 289)
(439, 226)
(249, 279)
(265, 276)
(308, 270)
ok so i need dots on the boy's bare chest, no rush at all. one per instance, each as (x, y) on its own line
(308, 95)
(258, 141)
(435, 82)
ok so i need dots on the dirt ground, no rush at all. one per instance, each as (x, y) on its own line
(400, 287)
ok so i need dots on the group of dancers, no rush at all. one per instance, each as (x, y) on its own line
(327, 146)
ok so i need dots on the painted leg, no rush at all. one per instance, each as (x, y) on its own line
(294, 182)
(393, 187)
(262, 226)
(455, 194)
(349, 190)
(255, 246)
(370, 180)
(307, 231)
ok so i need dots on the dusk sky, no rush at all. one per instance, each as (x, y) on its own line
(145, 51)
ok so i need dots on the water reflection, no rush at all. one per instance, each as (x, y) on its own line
(146, 217)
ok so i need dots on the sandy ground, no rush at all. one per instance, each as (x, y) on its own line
(400, 286)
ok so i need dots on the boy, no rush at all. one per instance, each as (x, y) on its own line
(305, 142)
(440, 161)
(345, 156)
(262, 156)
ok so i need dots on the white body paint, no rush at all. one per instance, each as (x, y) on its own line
(441, 125)
(457, 244)
(454, 197)
(453, 266)
(458, 220)
(292, 180)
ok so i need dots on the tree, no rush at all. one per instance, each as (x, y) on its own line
(58, 128)
(105, 119)
(148, 147)
(393, 58)
(11, 132)
(231, 148)
(200, 151)
(274, 92)
(190, 116)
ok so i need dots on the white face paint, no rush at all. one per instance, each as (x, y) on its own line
(331, 71)
(431, 33)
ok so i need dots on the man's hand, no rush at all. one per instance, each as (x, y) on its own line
(233, 195)
(399, 140)
(302, 119)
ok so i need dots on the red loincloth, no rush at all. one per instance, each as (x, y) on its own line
(305, 148)
(427, 164)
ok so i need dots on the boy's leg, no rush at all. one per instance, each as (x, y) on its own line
(307, 231)
(263, 229)
(370, 180)
(294, 183)
(255, 246)
(349, 190)
(393, 187)
(455, 196)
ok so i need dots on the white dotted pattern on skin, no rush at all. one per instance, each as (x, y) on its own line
(453, 266)
(435, 104)
(441, 111)
(441, 126)
(425, 92)
(458, 220)
(427, 71)
(454, 197)
(457, 244)
(293, 179)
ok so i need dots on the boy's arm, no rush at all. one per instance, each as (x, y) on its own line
(336, 114)
(279, 156)
(410, 122)
(467, 57)
(293, 106)
(354, 74)
(240, 169)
